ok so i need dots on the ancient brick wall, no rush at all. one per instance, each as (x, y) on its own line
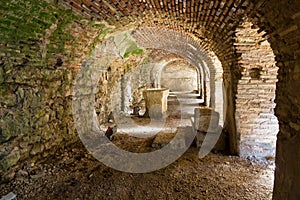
(184, 46)
(257, 125)
(281, 21)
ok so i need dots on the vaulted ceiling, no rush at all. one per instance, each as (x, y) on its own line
(211, 23)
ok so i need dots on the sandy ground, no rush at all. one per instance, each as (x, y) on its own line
(74, 174)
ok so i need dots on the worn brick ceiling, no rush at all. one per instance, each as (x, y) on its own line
(205, 19)
(211, 23)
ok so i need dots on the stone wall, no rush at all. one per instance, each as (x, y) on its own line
(120, 89)
(180, 76)
(220, 95)
(257, 125)
(41, 48)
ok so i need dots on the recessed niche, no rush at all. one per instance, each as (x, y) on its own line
(255, 73)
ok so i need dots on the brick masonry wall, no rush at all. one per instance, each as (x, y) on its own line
(281, 21)
(257, 125)
(210, 23)
(180, 76)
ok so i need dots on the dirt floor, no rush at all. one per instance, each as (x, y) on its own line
(74, 174)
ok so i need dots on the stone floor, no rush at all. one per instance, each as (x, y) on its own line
(74, 174)
(145, 127)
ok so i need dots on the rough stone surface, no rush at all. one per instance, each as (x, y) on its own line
(74, 173)
(41, 46)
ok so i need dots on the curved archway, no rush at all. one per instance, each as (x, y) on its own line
(184, 46)
(180, 76)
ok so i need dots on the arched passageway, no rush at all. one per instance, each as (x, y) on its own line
(180, 77)
(44, 44)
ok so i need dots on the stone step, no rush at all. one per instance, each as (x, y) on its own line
(185, 101)
(183, 95)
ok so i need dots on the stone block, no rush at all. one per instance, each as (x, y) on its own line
(156, 102)
(217, 139)
(206, 119)
(184, 136)
(37, 148)
(10, 160)
(7, 97)
(9, 196)
(200, 136)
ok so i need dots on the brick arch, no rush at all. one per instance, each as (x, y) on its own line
(212, 23)
(158, 70)
(182, 45)
(172, 64)
(280, 21)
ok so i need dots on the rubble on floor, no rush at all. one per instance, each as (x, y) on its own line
(74, 174)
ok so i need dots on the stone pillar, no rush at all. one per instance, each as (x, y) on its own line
(156, 102)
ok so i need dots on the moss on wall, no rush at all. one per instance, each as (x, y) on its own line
(40, 48)
(24, 29)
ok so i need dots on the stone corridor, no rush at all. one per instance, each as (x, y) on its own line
(69, 69)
